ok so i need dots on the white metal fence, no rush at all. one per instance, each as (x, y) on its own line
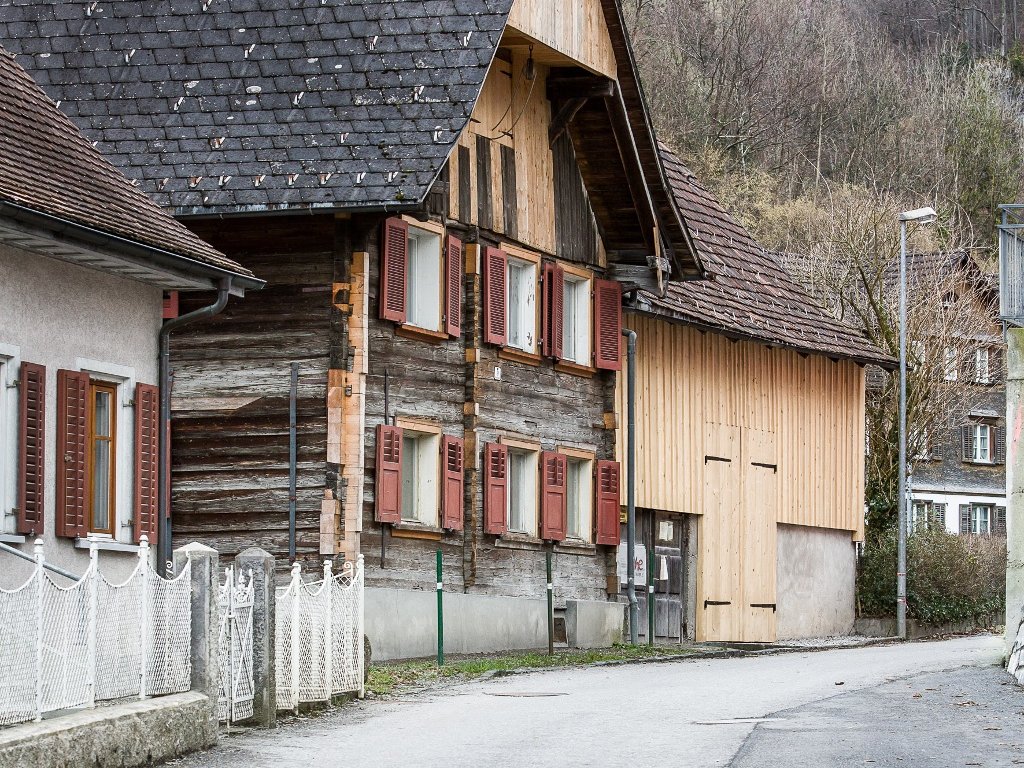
(237, 597)
(63, 647)
(318, 636)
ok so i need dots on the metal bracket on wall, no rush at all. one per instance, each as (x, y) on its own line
(717, 458)
(763, 605)
(715, 602)
(773, 467)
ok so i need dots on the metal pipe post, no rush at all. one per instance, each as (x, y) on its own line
(901, 537)
(634, 609)
(551, 606)
(650, 594)
(292, 459)
(440, 613)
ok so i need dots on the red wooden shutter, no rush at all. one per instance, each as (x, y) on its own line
(495, 487)
(608, 502)
(389, 474)
(147, 461)
(394, 256)
(72, 437)
(495, 277)
(31, 448)
(170, 305)
(453, 482)
(553, 310)
(453, 287)
(607, 325)
(553, 495)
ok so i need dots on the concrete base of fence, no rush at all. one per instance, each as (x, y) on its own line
(402, 624)
(593, 623)
(917, 630)
(124, 735)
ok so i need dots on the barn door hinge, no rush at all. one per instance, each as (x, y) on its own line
(773, 467)
(763, 605)
(717, 458)
(715, 602)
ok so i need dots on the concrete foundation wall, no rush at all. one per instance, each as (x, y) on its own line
(124, 735)
(593, 623)
(816, 569)
(65, 316)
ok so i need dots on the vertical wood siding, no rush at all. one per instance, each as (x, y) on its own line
(577, 30)
(813, 408)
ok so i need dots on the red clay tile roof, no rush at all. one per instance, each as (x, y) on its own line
(48, 166)
(747, 294)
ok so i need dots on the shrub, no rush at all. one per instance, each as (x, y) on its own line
(949, 577)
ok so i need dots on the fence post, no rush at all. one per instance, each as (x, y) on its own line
(440, 613)
(296, 588)
(261, 564)
(328, 618)
(232, 687)
(205, 584)
(39, 577)
(361, 628)
(144, 617)
(94, 584)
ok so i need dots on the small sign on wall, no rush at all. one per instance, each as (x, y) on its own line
(639, 564)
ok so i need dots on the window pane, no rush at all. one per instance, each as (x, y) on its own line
(579, 499)
(409, 479)
(424, 280)
(576, 321)
(101, 413)
(522, 492)
(101, 485)
(522, 316)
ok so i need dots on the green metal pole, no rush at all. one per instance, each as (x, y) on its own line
(551, 607)
(440, 613)
(650, 597)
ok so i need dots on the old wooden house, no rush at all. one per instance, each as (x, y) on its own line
(750, 441)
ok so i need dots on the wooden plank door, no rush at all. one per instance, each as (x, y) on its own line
(760, 490)
(719, 589)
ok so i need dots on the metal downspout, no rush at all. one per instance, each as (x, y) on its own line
(634, 608)
(163, 477)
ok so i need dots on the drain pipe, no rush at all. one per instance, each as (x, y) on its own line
(634, 608)
(163, 476)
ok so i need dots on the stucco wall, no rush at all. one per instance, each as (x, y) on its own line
(65, 316)
(816, 569)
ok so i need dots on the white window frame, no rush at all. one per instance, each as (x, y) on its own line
(123, 377)
(975, 519)
(950, 371)
(424, 278)
(522, 508)
(580, 498)
(424, 506)
(982, 456)
(10, 365)
(577, 325)
(982, 374)
(522, 278)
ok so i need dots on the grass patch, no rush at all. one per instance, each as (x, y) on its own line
(386, 678)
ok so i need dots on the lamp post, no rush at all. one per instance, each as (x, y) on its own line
(923, 216)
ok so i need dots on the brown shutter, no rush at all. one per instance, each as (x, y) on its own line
(939, 516)
(553, 495)
(72, 439)
(147, 462)
(495, 277)
(967, 441)
(999, 524)
(495, 487)
(31, 448)
(170, 305)
(553, 314)
(453, 479)
(965, 518)
(607, 325)
(999, 445)
(608, 502)
(453, 287)
(389, 474)
(394, 257)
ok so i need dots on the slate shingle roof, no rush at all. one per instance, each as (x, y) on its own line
(217, 105)
(47, 166)
(747, 294)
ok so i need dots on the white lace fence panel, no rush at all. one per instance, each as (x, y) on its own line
(318, 636)
(237, 597)
(63, 647)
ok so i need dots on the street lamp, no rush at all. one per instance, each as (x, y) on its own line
(922, 216)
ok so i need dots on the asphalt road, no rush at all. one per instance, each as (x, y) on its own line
(923, 704)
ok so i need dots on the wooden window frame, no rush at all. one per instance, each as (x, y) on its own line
(9, 362)
(975, 427)
(415, 427)
(575, 274)
(508, 351)
(982, 373)
(521, 446)
(578, 455)
(112, 388)
(408, 328)
(972, 517)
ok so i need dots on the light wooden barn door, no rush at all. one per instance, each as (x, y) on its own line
(759, 515)
(718, 576)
